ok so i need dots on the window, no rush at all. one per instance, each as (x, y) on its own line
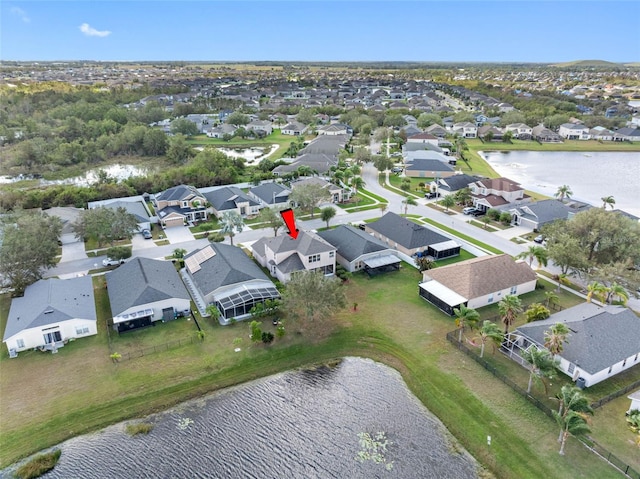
(82, 329)
(331, 254)
(185, 204)
(624, 363)
(514, 290)
(572, 367)
(20, 343)
(490, 300)
(314, 258)
(610, 368)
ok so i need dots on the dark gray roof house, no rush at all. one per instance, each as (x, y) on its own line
(535, 215)
(231, 198)
(410, 238)
(431, 168)
(456, 182)
(225, 276)
(326, 144)
(51, 312)
(145, 290)
(270, 194)
(603, 340)
(177, 193)
(358, 250)
(319, 163)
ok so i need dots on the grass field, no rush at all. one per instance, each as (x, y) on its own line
(469, 239)
(48, 398)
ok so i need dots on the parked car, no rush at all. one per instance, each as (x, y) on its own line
(539, 239)
(396, 169)
(432, 195)
(468, 210)
(111, 262)
(146, 234)
(478, 213)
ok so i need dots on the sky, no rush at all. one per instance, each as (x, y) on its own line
(315, 30)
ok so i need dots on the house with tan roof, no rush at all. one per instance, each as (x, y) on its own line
(476, 282)
(498, 193)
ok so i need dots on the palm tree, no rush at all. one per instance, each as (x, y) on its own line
(447, 202)
(489, 331)
(572, 403)
(535, 252)
(608, 201)
(562, 279)
(213, 312)
(465, 317)
(596, 289)
(327, 213)
(231, 223)
(555, 337)
(510, 307)
(574, 423)
(408, 201)
(617, 290)
(550, 298)
(541, 365)
(563, 192)
(383, 208)
(357, 183)
(304, 170)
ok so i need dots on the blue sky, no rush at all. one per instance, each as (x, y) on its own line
(493, 31)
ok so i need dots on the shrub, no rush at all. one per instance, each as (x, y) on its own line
(494, 214)
(119, 252)
(537, 312)
(256, 332)
(267, 337)
(139, 428)
(505, 218)
(215, 237)
(39, 465)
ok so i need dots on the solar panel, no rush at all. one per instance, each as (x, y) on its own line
(193, 262)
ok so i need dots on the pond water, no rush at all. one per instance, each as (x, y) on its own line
(591, 175)
(251, 155)
(117, 171)
(298, 424)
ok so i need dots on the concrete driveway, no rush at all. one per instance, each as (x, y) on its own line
(73, 251)
(138, 242)
(178, 234)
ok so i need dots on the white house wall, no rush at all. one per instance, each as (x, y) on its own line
(496, 296)
(177, 303)
(34, 337)
(592, 379)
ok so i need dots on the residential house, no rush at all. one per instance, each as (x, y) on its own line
(411, 130)
(455, 182)
(337, 194)
(627, 134)
(143, 291)
(231, 198)
(319, 163)
(466, 129)
(573, 131)
(224, 276)
(603, 341)
(602, 134)
(520, 131)
(264, 126)
(423, 138)
(417, 167)
(498, 193)
(411, 239)
(535, 215)
(68, 215)
(51, 312)
(545, 135)
(179, 204)
(220, 131)
(476, 282)
(284, 256)
(294, 128)
(505, 107)
(334, 129)
(136, 208)
(490, 131)
(270, 194)
(330, 145)
(359, 251)
(436, 130)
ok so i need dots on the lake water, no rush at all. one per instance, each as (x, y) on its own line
(117, 171)
(591, 175)
(251, 155)
(298, 424)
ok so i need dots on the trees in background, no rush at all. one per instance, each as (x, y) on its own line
(310, 295)
(307, 197)
(105, 225)
(28, 246)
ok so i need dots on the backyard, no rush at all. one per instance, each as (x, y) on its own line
(80, 389)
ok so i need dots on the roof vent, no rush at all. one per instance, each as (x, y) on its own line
(48, 311)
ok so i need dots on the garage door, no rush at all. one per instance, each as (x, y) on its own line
(171, 222)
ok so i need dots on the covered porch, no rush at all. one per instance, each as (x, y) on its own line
(381, 264)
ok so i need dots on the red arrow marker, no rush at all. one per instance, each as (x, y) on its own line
(290, 222)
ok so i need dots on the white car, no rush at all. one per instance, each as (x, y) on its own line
(111, 262)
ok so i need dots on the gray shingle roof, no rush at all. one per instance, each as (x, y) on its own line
(457, 182)
(268, 192)
(351, 242)
(406, 233)
(136, 208)
(177, 193)
(599, 337)
(420, 164)
(51, 301)
(318, 162)
(546, 211)
(306, 244)
(227, 197)
(143, 281)
(229, 266)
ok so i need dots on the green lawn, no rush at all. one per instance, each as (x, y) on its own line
(469, 239)
(463, 256)
(80, 389)
(357, 201)
(374, 196)
(396, 181)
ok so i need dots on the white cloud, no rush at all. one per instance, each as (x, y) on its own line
(20, 13)
(92, 32)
